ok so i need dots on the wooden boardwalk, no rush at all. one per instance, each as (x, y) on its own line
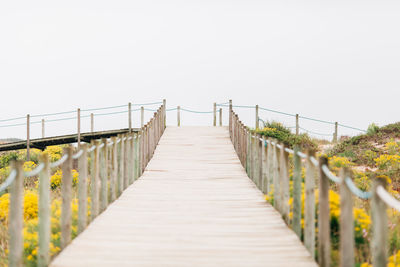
(193, 206)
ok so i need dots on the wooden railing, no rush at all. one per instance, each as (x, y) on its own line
(267, 163)
(128, 154)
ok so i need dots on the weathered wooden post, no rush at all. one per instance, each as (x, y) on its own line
(379, 226)
(276, 178)
(126, 162)
(296, 221)
(230, 118)
(103, 176)
(220, 117)
(130, 116)
(297, 125)
(324, 242)
(91, 122)
(44, 230)
(66, 195)
(346, 222)
(215, 114)
(136, 155)
(114, 169)
(257, 119)
(121, 161)
(79, 127)
(259, 161)
(42, 128)
(95, 181)
(15, 223)
(141, 117)
(131, 158)
(335, 135)
(248, 154)
(82, 189)
(28, 141)
(164, 112)
(284, 183)
(179, 115)
(264, 163)
(270, 163)
(309, 207)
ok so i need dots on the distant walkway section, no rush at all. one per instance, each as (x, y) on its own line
(193, 206)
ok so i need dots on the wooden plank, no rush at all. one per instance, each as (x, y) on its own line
(193, 206)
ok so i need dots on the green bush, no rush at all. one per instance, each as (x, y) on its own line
(283, 134)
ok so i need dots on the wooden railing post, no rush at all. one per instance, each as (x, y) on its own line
(335, 134)
(309, 207)
(264, 163)
(215, 114)
(130, 117)
(296, 221)
(270, 163)
(28, 138)
(141, 117)
(126, 161)
(297, 125)
(43, 258)
(248, 154)
(43, 128)
(131, 158)
(91, 122)
(179, 115)
(136, 153)
(121, 170)
(257, 119)
(379, 226)
(284, 183)
(15, 223)
(82, 189)
(114, 169)
(259, 165)
(79, 127)
(230, 118)
(220, 117)
(164, 113)
(346, 222)
(66, 195)
(94, 183)
(276, 176)
(324, 243)
(103, 176)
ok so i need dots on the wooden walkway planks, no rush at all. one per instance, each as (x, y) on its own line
(193, 206)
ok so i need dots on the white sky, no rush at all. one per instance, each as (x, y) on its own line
(333, 60)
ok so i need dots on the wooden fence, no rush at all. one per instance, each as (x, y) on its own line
(267, 163)
(114, 165)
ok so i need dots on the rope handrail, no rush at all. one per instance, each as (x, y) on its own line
(387, 198)
(74, 111)
(357, 191)
(36, 171)
(196, 111)
(312, 132)
(9, 180)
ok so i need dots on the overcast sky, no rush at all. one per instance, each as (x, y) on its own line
(332, 60)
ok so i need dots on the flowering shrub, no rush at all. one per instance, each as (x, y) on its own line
(54, 152)
(336, 163)
(56, 178)
(30, 205)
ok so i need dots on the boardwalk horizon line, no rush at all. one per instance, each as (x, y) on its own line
(194, 205)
